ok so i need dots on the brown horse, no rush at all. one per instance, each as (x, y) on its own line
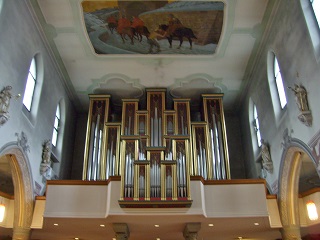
(179, 33)
(141, 31)
(124, 29)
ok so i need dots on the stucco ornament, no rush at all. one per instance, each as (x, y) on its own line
(302, 102)
(45, 166)
(22, 140)
(5, 96)
(267, 163)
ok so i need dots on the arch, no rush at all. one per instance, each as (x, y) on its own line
(23, 189)
(289, 185)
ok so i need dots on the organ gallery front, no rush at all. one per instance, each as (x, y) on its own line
(156, 150)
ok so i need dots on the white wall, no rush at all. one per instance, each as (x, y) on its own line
(288, 37)
(20, 41)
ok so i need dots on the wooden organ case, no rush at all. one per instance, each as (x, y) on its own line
(155, 151)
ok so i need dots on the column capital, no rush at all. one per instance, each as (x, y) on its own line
(191, 230)
(121, 230)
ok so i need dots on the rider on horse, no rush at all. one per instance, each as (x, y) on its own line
(137, 22)
(174, 23)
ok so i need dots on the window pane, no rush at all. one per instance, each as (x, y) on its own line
(32, 69)
(56, 123)
(282, 96)
(256, 125)
(316, 9)
(28, 93)
(54, 137)
(58, 112)
(279, 83)
(31, 83)
(56, 127)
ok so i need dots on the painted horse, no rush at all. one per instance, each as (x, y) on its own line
(178, 33)
(141, 31)
(124, 29)
(112, 23)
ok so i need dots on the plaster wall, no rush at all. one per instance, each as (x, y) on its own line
(288, 37)
(20, 41)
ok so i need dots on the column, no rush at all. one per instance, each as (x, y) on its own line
(191, 230)
(291, 232)
(121, 230)
(21, 233)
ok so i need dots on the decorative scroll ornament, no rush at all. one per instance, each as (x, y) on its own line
(5, 96)
(305, 115)
(45, 166)
(286, 135)
(22, 140)
(267, 163)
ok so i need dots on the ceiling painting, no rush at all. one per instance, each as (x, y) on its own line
(153, 27)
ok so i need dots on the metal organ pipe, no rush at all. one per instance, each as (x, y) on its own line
(95, 150)
(129, 176)
(91, 148)
(216, 145)
(181, 174)
(204, 163)
(156, 129)
(99, 155)
(223, 167)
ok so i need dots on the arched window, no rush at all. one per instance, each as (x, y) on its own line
(256, 125)
(279, 83)
(316, 9)
(30, 86)
(56, 126)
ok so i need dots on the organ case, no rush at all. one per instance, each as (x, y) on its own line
(155, 151)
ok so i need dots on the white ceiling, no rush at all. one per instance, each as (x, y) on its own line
(86, 72)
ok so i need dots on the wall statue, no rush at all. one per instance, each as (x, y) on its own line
(267, 163)
(5, 96)
(302, 102)
(45, 166)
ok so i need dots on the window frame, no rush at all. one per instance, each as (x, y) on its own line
(279, 83)
(316, 12)
(256, 125)
(56, 126)
(312, 26)
(30, 87)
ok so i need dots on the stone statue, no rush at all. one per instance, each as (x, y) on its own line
(301, 97)
(45, 166)
(46, 152)
(267, 163)
(5, 96)
(302, 102)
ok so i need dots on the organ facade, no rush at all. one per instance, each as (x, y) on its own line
(156, 150)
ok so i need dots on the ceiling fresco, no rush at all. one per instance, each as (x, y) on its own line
(153, 27)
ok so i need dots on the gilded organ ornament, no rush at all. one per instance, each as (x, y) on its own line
(156, 150)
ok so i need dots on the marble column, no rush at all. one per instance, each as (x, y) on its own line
(191, 230)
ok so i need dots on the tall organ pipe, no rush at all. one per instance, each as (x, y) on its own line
(91, 149)
(95, 149)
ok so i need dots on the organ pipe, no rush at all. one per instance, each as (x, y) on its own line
(154, 150)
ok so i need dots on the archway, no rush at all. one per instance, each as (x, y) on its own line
(23, 190)
(294, 151)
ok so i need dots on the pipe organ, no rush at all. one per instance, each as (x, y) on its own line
(155, 151)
